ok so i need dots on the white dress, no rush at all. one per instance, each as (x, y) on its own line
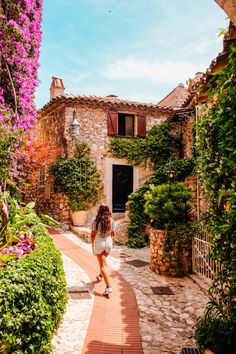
(102, 244)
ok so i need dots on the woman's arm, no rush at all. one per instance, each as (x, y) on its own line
(93, 234)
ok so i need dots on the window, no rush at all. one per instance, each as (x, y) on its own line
(125, 124)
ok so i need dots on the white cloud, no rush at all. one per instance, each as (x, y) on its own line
(167, 72)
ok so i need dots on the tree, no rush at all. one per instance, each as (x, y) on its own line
(20, 39)
(32, 158)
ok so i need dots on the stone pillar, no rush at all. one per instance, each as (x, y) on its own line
(174, 262)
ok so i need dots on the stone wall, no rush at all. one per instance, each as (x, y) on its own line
(191, 182)
(50, 128)
(174, 263)
(187, 137)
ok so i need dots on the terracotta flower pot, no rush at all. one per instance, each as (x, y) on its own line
(79, 217)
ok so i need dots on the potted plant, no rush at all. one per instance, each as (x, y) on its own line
(79, 178)
(167, 206)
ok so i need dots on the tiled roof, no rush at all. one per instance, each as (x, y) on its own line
(177, 98)
(216, 64)
(110, 101)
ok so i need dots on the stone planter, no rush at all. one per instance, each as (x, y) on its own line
(174, 262)
(79, 217)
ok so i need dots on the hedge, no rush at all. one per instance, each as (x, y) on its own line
(33, 298)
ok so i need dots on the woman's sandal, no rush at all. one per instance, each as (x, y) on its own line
(108, 291)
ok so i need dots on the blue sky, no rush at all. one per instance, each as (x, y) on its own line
(136, 49)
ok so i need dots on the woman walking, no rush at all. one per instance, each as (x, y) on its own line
(102, 232)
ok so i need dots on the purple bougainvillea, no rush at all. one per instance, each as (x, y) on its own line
(25, 245)
(20, 39)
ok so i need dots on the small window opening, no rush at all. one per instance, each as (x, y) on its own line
(42, 178)
(125, 124)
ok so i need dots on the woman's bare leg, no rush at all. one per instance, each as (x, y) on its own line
(103, 269)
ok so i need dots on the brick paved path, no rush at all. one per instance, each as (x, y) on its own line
(114, 324)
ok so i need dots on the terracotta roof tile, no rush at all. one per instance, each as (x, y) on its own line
(111, 101)
(177, 98)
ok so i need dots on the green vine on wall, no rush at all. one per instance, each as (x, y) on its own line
(216, 164)
(156, 148)
(78, 178)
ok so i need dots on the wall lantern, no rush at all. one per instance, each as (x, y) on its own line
(170, 173)
(75, 126)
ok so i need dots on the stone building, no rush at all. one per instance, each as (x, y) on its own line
(98, 119)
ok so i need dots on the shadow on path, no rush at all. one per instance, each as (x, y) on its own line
(114, 323)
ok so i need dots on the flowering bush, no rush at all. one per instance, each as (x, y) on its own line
(33, 294)
(17, 237)
(24, 246)
(32, 158)
(20, 38)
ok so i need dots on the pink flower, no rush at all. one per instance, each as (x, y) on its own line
(12, 23)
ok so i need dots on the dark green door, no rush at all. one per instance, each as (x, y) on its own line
(122, 186)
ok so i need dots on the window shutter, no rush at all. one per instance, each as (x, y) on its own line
(112, 123)
(141, 131)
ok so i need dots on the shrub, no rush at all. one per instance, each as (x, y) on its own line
(138, 219)
(167, 204)
(216, 331)
(78, 178)
(32, 296)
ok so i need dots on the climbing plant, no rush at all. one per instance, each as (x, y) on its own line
(156, 148)
(78, 178)
(216, 166)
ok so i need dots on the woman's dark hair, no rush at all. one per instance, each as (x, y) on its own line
(103, 219)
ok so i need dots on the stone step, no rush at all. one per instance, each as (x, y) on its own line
(118, 216)
(83, 232)
(121, 231)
